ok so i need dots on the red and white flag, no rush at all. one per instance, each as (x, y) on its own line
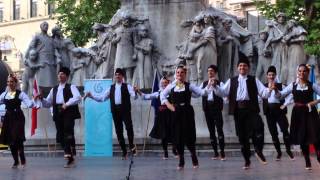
(34, 114)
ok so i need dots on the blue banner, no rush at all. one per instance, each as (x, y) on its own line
(98, 120)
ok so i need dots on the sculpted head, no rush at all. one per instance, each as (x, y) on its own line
(44, 26)
(227, 23)
(281, 18)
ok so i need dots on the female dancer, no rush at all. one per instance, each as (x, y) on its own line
(162, 128)
(179, 103)
(12, 133)
(305, 123)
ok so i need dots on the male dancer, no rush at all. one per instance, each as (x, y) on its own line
(212, 106)
(119, 94)
(243, 91)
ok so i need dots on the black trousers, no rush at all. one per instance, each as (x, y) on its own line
(120, 117)
(17, 149)
(65, 133)
(276, 116)
(192, 149)
(249, 125)
(215, 121)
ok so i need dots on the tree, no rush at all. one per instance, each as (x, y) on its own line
(305, 12)
(76, 17)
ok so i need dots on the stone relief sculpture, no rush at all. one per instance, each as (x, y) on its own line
(276, 32)
(264, 56)
(105, 51)
(143, 74)
(32, 65)
(43, 44)
(124, 39)
(228, 50)
(295, 37)
(78, 66)
(63, 45)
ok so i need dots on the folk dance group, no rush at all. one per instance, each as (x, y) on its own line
(175, 119)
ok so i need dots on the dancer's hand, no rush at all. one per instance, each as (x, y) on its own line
(171, 107)
(88, 94)
(64, 106)
(282, 107)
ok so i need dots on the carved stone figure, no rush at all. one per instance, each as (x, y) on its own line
(31, 66)
(63, 46)
(295, 37)
(143, 75)
(279, 48)
(105, 51)
(43, 44)
(264, 56)
(125, 47)
(78, 67)
(228, 50)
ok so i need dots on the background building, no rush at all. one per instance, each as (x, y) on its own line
(19, 21)
(242, 8)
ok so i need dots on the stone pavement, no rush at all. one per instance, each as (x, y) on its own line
(153, 168)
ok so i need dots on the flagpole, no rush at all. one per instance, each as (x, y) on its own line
(146, 134)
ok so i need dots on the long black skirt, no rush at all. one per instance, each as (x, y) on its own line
(162, 128)
(13, 128)
(184, 125)
(305, 126)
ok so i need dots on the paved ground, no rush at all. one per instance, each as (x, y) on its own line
(153, 168)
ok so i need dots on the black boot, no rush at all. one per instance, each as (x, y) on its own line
(278, 149)
(14, 153)
(195, 161)
(70, 162)
(215, 150)
(181, 162)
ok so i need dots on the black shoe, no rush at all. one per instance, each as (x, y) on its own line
(15, 165)
(124, 156)
(247, 165)
(175, 153)
(181, 163)
(290, 154)
(166, 156)
(215, 156)
(261, 157)
(134, 150)
(223, 156)
(70, 163)
(279, 155)
(195, 161)
(308, 164)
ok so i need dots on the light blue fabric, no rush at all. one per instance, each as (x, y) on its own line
(98, 120)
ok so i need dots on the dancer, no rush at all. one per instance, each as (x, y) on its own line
(119, 94)
(305, 123)
(64, 99)
(212, 106)
(162, 128)
(12, 132)
(243, 91)
(276, 115)
(183, 114)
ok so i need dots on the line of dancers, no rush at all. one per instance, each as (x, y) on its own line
(175, 118)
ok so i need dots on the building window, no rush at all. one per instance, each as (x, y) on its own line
(16, 9)
(50, 8)
(1, 12)
(33, 8)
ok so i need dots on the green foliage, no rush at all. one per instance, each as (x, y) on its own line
(76, 17)
(307, 15)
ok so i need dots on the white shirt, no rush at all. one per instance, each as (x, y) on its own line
(210, 95)
(242, 91)
(22, 96)
(117, 94)
(75, 99)
(196, 91)
(288, 90)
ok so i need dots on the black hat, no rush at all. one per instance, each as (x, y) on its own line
(120, 71)
(272, 69)
(214, 67)
(65, 70)
(243, 59)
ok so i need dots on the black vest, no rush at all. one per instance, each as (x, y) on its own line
(13, 105)
(181, 97)
(217, 101)
(265, 101)
(252, 92)
(125, 98)
(71, 112)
